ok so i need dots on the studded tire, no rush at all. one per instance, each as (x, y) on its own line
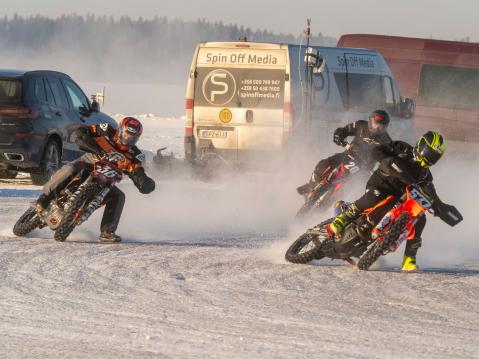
(69, 220)
(294, 254)
(378, 248)
(27, 223)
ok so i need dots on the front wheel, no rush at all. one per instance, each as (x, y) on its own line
(69, 220)
(308, 246)
(27, 223)
(378, 248)
(311, 204)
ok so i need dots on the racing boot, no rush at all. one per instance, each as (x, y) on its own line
(109, 237)
(338, 224)
(409, 264)
(304, 189)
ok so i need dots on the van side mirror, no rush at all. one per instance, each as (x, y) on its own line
(95, 106)
(314, 60)
(406, 108)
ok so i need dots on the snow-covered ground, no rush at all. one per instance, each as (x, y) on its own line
(200, 274)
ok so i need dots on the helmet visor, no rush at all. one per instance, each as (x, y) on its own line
(376, 127)
(127, 139)
(429, 155)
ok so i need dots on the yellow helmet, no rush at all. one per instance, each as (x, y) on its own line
(429, 149)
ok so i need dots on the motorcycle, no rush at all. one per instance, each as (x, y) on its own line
(330, 185)
(77, 201)
(378, 231)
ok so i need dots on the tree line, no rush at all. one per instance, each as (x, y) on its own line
(102, 48)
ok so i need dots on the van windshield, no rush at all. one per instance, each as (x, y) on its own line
(239, 87)
(449, 87)
(10, 91)
(359, 91)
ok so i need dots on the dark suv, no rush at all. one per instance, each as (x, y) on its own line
(39, 110)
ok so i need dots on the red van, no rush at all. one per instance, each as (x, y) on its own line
(441, 76)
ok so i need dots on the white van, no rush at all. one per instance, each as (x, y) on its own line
(246, 98)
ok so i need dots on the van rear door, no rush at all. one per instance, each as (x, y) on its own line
(239, 98)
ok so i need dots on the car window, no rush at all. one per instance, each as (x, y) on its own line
(449, 87)
(58, 92)
(10, 90)
(49, 93)
(39, 90)
(77, 97)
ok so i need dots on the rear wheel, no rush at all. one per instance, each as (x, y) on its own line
(49, 165)
(308, 246)
(27, 223)
(70, 218)
(8, 174)
(378, 248)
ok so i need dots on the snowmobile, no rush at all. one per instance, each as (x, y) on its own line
(329, 187)
(76, 202)
(378, 231)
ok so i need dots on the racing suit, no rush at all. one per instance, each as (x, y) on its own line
(115, 199)
(361, 146)
(396, 170)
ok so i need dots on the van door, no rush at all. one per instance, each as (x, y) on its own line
(260, 112)
(215, 112)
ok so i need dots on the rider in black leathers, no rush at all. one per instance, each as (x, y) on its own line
(400, 165)
(367, 135)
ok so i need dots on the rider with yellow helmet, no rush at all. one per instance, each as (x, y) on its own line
(400, 165)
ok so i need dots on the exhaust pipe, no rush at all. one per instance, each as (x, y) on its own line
(14, 157)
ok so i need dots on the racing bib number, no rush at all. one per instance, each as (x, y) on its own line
(420, 198)
(107, 172)
(351, 167)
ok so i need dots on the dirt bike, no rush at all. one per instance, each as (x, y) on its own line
(378, 231)
(329, 186)
(76, 202)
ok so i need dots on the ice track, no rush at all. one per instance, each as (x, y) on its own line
(219, 297)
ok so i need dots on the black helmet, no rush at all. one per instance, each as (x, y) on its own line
(378, 121)
(429, 149)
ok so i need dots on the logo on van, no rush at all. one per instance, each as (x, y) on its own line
(225, 115)
(219, 87)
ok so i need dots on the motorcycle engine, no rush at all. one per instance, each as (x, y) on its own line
(54, 216)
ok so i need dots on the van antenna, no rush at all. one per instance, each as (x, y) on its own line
(308, 79)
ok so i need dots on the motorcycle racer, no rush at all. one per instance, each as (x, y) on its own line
(400, 165)
(367, 134)
(105, 141)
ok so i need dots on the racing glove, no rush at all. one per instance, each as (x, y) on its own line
(144, 183)
(339, 136)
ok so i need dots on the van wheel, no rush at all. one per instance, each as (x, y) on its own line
(49, 165)
(7, 174)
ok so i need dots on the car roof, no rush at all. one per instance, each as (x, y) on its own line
(19, 73)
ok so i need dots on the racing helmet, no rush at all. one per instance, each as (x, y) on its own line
(129, 131)
(429, 149)
(378, 121)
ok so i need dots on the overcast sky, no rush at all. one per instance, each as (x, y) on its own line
(420, 18)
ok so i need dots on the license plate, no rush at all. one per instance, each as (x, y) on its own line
(213, 134)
